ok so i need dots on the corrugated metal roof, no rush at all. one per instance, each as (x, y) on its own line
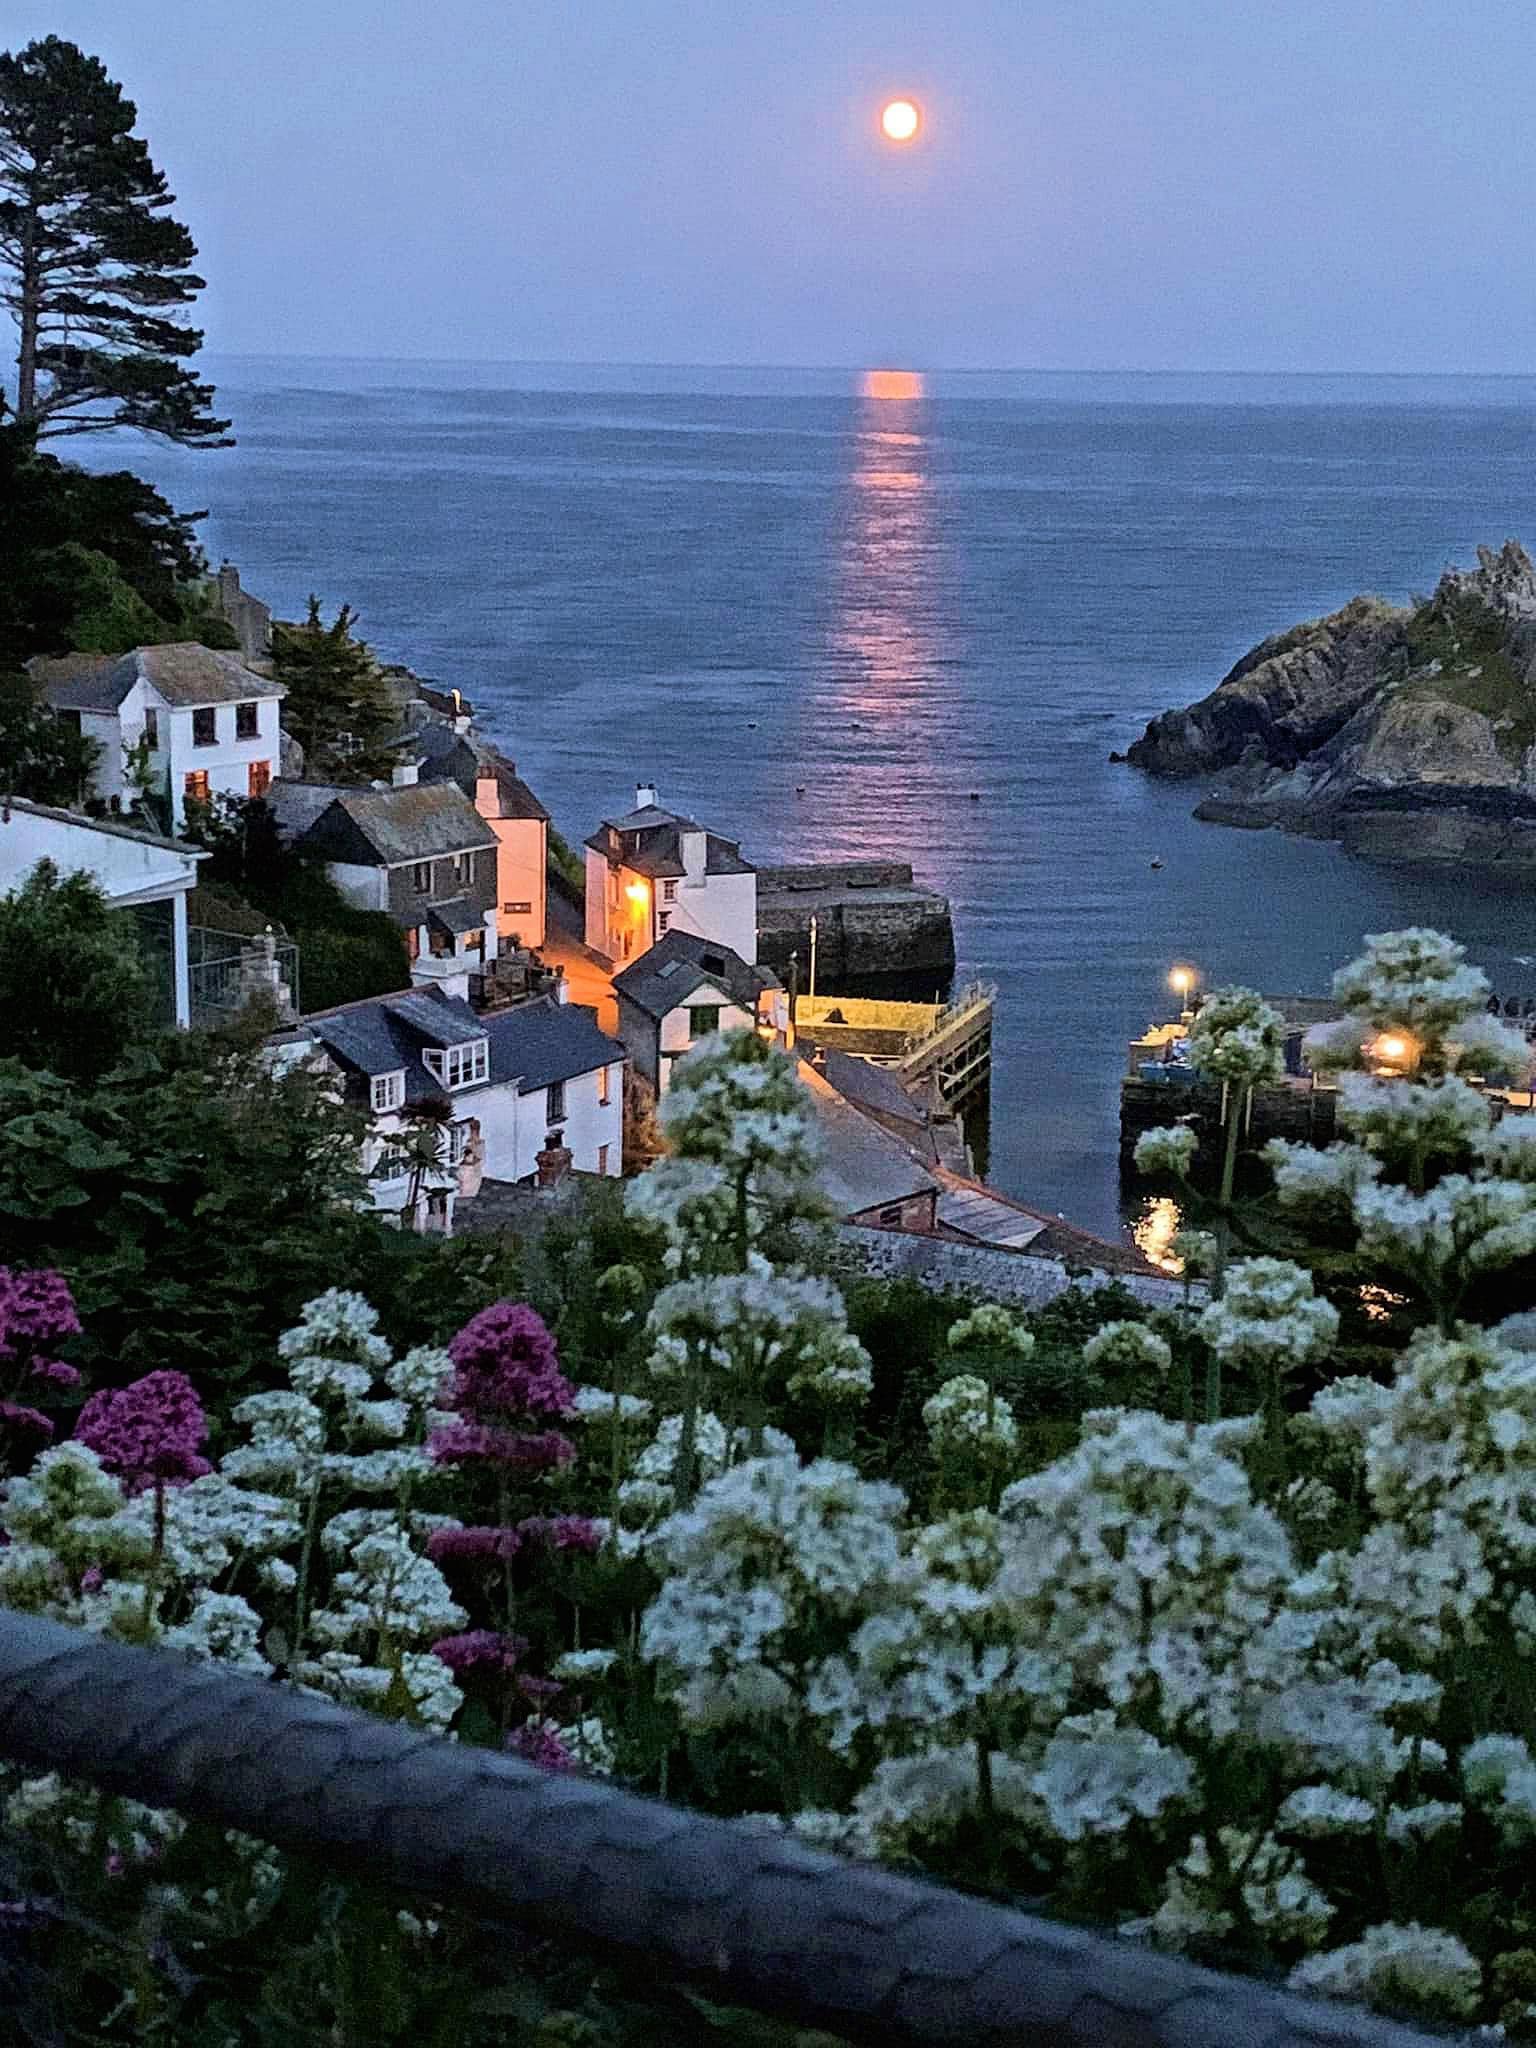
(978, 1213)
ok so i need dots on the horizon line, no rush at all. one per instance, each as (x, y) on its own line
(851, 368)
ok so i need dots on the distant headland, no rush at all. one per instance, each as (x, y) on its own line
(1408, 732)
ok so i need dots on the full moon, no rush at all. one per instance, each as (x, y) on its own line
(901, 120)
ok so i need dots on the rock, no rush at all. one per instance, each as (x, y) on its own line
(1407, 732)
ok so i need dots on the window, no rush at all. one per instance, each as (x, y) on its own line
(602, 1158)
(393, 1165)
(151, 728)
(669, 892)
(205, 727)
(388, 1091)
(604, 1092)
(198, 788)
(554, 1103)
(70, 720)
(245, 721)
(413, 943)
(459, 1066)
(458, 1141)
(703, 1018)
(463, 868)
(663, 919)
(260, 779)
(421, 878)
(474, 942)
(890, 1219)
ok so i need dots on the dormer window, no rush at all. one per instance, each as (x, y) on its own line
(388, 1092)
(459, 1066)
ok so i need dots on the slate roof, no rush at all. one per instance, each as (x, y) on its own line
(870, 1087)
(186, 675)
(651, 844)
(393, 827)
(545, 1041)
(457, 916)
(681, 962)
(862, 1166)
(532, 1045)
(447, 756)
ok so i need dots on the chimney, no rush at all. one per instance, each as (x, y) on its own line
(487, 796)
(694, 849)
(554, 1162)
(404, 774)
(229, 581)
(562, 988)
(645, 795)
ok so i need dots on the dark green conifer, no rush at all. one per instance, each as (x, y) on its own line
(92, 266)
(339, 707)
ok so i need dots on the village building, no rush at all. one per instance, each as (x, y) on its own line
(520, 822)
(683, 989)
(174, 725)
(135, 870)
(500, 1093)
(653, 871)
(420, 852)
(868, 1176)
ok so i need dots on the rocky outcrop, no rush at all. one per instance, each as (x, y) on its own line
(1408, 732)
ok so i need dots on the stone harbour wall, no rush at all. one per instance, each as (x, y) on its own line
(983, 1272)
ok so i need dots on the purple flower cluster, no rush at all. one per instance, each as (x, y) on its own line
(480, 1649)
(505, 1366)
(150, 1432)
(21, 1420)
(481, 1443)
(37, 1311)
(562, 1532)
(537, 1743)
(499, 1544)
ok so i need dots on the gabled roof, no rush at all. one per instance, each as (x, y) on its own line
(186, 675)
(651, 844)
(388, 1034)
(870, 1087)
(546, 1041)
(862, 1166)
(393, 827)
(681, 962)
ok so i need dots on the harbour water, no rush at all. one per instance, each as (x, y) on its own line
(937, 604)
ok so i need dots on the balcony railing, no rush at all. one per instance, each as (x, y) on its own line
(228, 970)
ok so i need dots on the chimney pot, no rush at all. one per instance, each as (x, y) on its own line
(405, 774)
(645, 795)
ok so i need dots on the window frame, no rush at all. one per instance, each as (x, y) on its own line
(669, 889)
(604, 1086)
(698, 1010)
(602, 1160)
(258, 780)
(555, 1109)
(191, 794)
(210, 713)
(248, 715)
(393, 1087)
(457, 1067)
(463, 868)
(152, 728)
(418, 869)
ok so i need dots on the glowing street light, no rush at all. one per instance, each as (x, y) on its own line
(1182, 981)
(638, 893)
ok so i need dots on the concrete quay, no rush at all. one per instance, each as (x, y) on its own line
(872, 919)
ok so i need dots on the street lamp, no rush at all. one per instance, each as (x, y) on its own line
(1182, 981)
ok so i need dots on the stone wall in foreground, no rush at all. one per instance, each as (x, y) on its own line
(983, 1272)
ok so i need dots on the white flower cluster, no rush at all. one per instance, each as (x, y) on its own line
(1422, 1969)
(965, 1419)
(1127, 1347)
(1169, 1149)
(1269, 1317)
(768, 1550)
(759, 1332)
(991, 1332)
(1239, 1038)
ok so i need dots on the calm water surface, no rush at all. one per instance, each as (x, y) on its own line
(984, 588)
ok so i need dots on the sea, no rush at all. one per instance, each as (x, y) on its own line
(937, 602)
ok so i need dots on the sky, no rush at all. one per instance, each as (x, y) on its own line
(1100, 184)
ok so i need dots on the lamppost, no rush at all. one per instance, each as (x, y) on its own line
(1183, 981)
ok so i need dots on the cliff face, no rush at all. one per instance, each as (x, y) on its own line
(1407, 732)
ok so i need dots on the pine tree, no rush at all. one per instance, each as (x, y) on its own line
(339, 707)
(91, 264)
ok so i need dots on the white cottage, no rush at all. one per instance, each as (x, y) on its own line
(179, 724)
(653, 871)
(501, 1088)
(684, 989)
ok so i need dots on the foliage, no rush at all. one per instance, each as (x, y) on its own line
(94, 265)
(77, 994)
(339, 706)
(44, 759)
(91, 562)
(345, 954)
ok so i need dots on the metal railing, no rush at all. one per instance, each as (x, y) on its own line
(226, 970)
(752, 1917)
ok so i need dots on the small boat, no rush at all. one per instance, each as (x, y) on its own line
(1156, 862)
